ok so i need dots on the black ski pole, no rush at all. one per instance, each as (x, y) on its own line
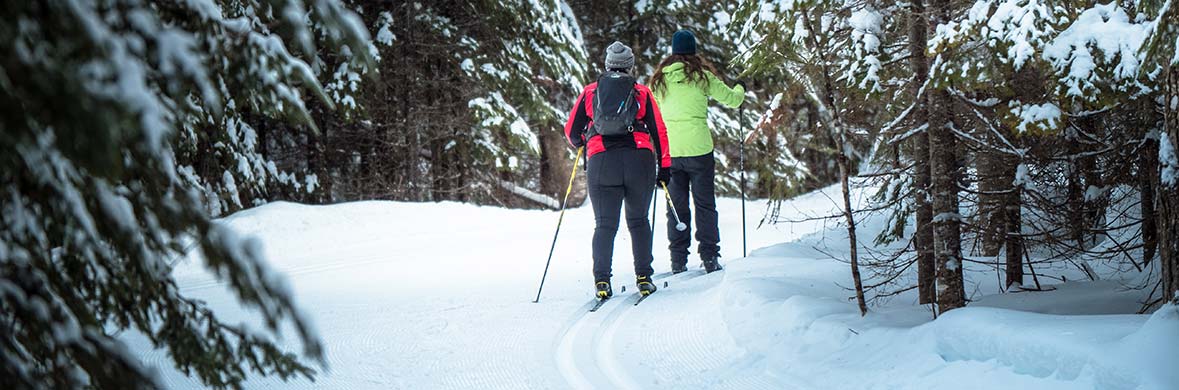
(654, 208)
(572, 174)
(654, 205)
(741, 120)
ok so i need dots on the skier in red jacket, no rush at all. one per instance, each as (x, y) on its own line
(616, 119)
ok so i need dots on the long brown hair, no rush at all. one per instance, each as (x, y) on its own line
(695, 68)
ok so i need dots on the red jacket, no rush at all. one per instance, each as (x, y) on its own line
(583, 115)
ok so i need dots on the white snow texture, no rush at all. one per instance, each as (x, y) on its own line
(438, 295)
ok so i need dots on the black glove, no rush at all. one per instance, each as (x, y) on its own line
(742, 84)
(577, 141)
(663, 177)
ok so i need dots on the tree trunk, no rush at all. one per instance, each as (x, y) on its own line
(1075, 201)
(1091, 207)
(947, 238)
(465, 174)
(1013, 222)
(851, 229)
(841, 143)
(1029, 85)
(550, 164)
(1095, 203)
(943, 147)
(993, 186)
(1167, 199)
(1148, 167)
(923, 238)
(556, 161)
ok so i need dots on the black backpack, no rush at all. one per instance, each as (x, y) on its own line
(614, 105)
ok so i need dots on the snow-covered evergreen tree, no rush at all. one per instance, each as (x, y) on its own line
(525, 85)
(1054, 109)
(98, 206)
(831, 52)
(470, 107)
(995, 75)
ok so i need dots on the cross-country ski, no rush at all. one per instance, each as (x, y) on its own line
(641, 298)
(598, 302)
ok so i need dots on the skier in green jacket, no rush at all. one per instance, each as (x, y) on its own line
(682, 86)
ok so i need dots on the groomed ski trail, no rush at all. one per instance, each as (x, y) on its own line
(585, 353)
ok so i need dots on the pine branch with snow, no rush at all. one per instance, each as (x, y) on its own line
(98, 210)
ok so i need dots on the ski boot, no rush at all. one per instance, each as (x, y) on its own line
(712, 264)
(604, 290)
(679, 266)
(645, 285)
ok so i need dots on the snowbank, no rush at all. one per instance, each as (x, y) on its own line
(790, 315)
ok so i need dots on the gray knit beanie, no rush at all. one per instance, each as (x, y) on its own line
(619, 56)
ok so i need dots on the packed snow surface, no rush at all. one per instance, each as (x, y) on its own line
(439, 295)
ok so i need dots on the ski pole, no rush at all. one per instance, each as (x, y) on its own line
(679, 225)
(654, 202)
(572, 175)
(654, 208)
(741, 120)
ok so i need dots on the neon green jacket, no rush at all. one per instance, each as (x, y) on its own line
(685, 109)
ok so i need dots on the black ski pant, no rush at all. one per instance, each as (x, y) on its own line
(617, 177)
(693, 175)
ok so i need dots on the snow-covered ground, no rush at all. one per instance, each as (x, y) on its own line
(439, 295)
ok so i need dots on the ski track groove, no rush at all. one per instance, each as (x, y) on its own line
(566, 365)
(575, 343)
(603, 345)
(606, 372)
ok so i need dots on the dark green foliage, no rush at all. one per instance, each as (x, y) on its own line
(94, 213)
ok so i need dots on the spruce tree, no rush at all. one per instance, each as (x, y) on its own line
(94, 97)
(831, 51)
(471, 107)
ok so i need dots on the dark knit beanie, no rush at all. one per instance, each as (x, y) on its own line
(683, 42)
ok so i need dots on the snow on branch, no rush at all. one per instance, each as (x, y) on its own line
(1102, 35)
(525, 193)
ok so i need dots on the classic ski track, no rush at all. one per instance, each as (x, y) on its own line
(583, 333)
(605, 372)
